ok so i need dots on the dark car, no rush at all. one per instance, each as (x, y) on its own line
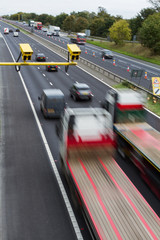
(107, 54)
(17, 30)
(51, 68)
(80, 91)
(40, 57)
(10, 30)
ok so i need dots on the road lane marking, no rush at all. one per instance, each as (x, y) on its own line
(52, 161)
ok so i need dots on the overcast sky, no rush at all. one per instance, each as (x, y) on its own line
(126, 8)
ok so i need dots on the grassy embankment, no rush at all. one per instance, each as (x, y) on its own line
(135, 50)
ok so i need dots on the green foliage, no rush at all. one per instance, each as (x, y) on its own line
(120, 31)
(136, 23)
(69, 23)
(149, 33)
(97, 27)
(80, 24)
(59, 19)
(156, 4)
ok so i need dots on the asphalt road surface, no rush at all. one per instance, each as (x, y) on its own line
(32, 205)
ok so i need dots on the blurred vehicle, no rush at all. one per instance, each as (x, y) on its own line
(87, 151)
(6, 30)
(10, 30)
(38, 25)
(15, 34)
(40, 57)
(17, 30)
(137, 141)
(44, 29)
(31, 23)
(107, 54)
(54, 30)
(49, 34)
(79, 39)
(80, 91)
(52, 103)
(52, 68)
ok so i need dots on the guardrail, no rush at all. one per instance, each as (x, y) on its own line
(92, 66)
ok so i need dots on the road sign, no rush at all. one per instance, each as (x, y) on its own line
(136, 73)
(156, 85)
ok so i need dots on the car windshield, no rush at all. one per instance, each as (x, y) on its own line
(83, 88)
(40, 55)
(107, 52)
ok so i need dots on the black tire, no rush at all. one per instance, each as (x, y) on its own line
(74, 98)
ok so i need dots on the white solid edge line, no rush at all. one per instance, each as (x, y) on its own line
(62, 189)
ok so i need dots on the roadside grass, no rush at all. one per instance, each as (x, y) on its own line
(135, 50)
(152, 103)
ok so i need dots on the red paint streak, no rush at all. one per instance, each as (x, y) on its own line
(105, 141)
(129, 107)
(101, 202)
(146, 138)
(130, 201)
(84, 201)
(137, 191)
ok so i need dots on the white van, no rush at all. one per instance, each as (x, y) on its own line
(6, 30)
(15, 34)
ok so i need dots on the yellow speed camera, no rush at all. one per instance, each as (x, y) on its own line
(26, 51)
(74, 51)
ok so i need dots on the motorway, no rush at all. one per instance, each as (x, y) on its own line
(122, 63)
(32, 204)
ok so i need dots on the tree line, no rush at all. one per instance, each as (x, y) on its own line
(145, 27)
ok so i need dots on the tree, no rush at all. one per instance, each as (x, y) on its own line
(81, 23)
(97, 27)
(136, 23)
(120, 31)
(69, 23)
(155, 3)
(59, 19)
(149, 33)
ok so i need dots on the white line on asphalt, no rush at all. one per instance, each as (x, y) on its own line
(135, 66)
(92, 74)
(51, 83)
(43, 74)
(54, 167)
(122, 61)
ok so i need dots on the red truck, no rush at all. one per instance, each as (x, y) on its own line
(79, 39)
(111, 205)
(137, 141)
(38, 25)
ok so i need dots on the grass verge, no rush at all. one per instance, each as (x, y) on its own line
(135, 50)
